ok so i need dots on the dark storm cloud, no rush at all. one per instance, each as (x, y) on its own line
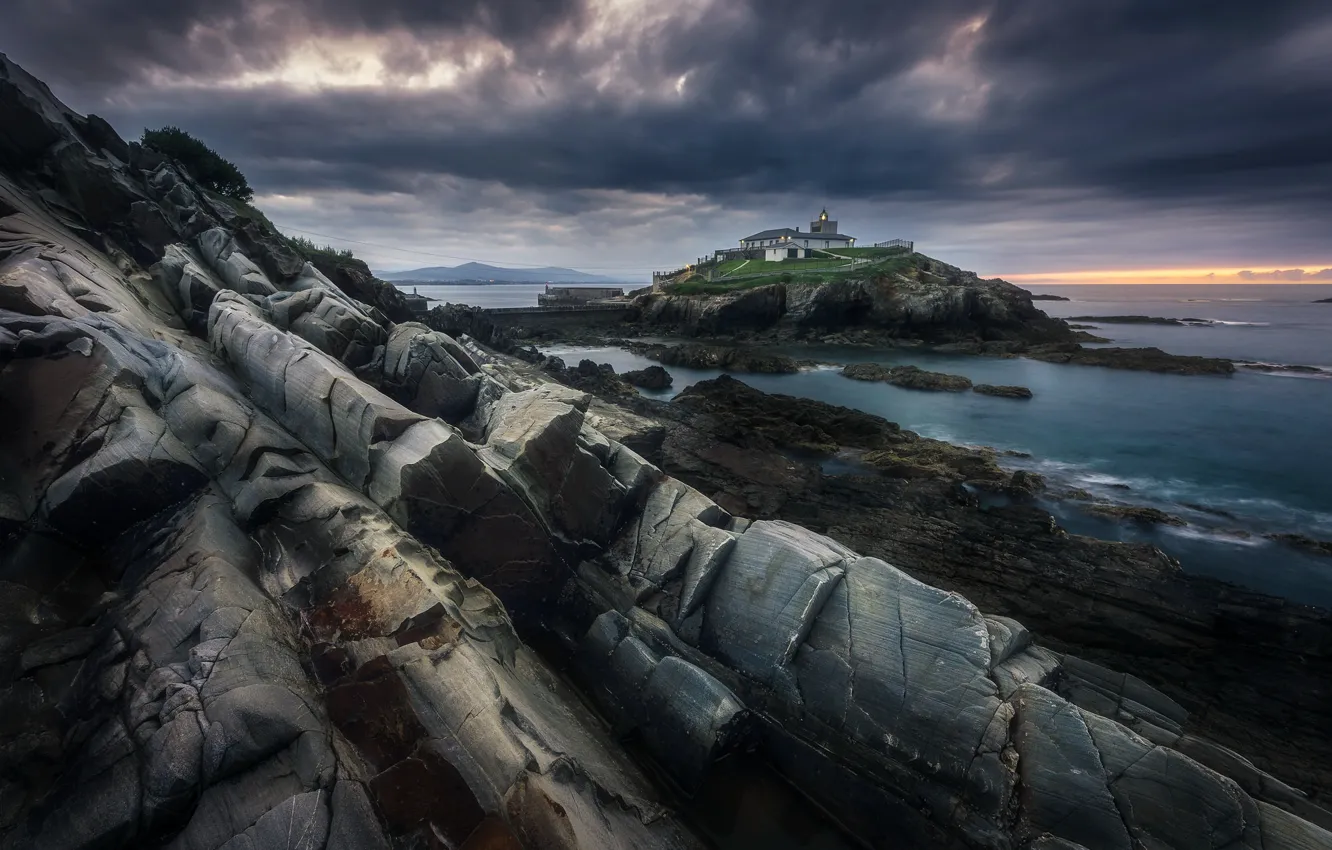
(103, 43)
(1001, 104)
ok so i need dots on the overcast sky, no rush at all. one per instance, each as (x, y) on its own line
(1013, 137)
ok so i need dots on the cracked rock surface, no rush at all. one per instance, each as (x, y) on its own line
(273, 567)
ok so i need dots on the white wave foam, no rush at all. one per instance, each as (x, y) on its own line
(1207, 508)
(1192, 532)
(1286, 370)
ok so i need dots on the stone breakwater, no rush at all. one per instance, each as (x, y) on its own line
(274, 564)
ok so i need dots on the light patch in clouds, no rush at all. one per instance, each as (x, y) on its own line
(362, 62)
(951, 85)
(1173, 276)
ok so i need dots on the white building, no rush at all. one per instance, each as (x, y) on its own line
(785, 243)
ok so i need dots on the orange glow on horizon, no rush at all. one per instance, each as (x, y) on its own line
(1309, 273)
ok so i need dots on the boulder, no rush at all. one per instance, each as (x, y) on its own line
(651, 378)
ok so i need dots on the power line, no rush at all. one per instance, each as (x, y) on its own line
(451, 256)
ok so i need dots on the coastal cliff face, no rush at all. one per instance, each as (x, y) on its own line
(929, 301)
(273, 567)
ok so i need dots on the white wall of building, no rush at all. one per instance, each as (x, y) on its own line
(777, 253)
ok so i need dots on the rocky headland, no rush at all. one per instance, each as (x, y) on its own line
(281, 570)
(913, 301)
(1047, 297)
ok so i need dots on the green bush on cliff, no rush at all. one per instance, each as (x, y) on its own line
(315, 253)
(205, 164)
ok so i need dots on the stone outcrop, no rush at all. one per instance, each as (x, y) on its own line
(1138, 320)
(910, 377)
(1133, 513)
(726, 358)
(1203, 642)
(274, 567)
(1002, 391)
(928, 300)
(1137, 359)
(651, 378)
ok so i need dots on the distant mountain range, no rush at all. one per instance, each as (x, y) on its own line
(483, 272)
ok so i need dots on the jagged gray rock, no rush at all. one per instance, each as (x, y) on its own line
(257, 592)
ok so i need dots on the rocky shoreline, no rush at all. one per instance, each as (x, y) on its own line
(282, 570)
(1138, 320)
(1120, 604)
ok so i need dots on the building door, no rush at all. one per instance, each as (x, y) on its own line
(792, 253)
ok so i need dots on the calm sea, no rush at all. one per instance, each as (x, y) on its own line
(489, 295)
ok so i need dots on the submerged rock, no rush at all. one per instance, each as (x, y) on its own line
(1304, 543)
(1134, 513)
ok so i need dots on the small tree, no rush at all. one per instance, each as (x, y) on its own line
(205, 164)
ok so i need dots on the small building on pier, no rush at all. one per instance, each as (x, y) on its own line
(561, 296)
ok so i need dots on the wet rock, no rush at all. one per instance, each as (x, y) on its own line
(1134, 320)
(1137, 359)
(651, 378)
(729, 359)
(1002, 391)
(1304, 543)
(1025, 484)
(1134, 513)
(911, 377)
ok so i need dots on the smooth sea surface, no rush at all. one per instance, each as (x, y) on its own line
(491, 295)
(1235, 456)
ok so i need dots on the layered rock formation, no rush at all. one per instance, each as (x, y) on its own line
(274, 565)
(928, 300)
